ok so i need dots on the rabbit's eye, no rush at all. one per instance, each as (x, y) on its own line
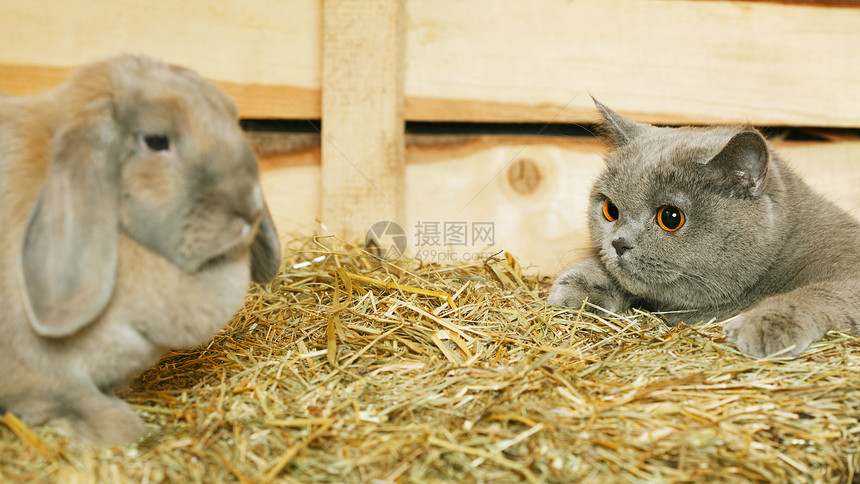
(157, 142)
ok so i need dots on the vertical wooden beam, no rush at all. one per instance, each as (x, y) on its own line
(363, 139)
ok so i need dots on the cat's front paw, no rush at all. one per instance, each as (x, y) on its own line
(763, 332)
(587, 281)
(566, 293)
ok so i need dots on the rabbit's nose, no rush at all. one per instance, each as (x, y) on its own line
(249, 206)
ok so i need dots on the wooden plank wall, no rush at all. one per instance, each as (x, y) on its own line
(764, 62)
(366, 66)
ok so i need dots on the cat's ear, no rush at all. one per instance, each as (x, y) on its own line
(617, 129)
(742, 163)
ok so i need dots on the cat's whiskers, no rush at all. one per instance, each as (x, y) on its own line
(706, 287)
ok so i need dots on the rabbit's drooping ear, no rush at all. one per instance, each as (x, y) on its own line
(265, 250)
(70, 248)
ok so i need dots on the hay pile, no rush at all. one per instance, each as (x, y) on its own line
(345, 370)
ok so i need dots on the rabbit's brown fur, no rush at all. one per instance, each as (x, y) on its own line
(133, 223)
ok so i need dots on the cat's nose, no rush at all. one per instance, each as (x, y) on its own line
(621, 245)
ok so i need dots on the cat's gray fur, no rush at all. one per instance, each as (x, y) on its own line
(758, 245)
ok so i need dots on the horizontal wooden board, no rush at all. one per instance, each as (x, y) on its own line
(255, 101)
(662, 61)
(672, 61)
(531, 190)
(265, 53)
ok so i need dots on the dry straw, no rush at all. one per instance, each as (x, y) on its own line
(346, 369)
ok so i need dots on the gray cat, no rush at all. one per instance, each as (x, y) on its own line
(710, 223)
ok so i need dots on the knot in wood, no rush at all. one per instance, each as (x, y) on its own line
(524, 176)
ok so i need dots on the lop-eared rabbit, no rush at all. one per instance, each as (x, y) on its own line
(133, 222)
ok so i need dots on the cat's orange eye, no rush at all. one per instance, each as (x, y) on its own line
(670, 218)
(610, 211)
